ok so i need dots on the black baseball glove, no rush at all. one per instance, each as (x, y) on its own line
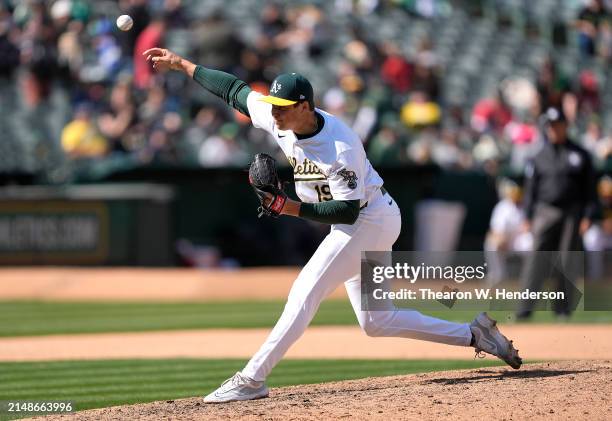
(264, 180)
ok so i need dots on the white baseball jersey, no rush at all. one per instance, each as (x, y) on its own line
(332, 165)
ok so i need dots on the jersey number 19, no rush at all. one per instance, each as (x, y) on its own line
(324, 193)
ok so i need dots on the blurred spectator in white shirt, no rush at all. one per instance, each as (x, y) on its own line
(507, 235)
(599, 146)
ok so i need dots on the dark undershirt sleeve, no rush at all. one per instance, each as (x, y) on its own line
(331, 212)
(224, 85)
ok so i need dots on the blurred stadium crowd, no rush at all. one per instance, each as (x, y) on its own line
(457, 83)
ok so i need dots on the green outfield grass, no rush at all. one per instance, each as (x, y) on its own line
(44, 318)
(101, 383)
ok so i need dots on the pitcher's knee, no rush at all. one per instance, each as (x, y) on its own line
(375, 323)
(371, 329)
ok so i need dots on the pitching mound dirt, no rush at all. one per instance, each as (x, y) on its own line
(560, 390)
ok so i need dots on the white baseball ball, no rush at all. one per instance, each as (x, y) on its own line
(125, 22)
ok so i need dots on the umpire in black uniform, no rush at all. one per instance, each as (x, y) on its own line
(560, 199)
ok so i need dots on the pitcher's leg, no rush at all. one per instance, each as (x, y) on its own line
(406, 323)
(387, 320)
(333, 263)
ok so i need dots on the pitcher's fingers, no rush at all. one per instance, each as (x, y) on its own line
(153, 51)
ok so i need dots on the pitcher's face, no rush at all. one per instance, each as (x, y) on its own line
(290, 116)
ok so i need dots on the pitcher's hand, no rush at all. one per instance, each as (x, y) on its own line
(163, 59)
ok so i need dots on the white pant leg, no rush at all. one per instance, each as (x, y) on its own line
(336, 259)
(406, 323)
(402, 322)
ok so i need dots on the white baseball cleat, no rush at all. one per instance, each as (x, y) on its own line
(238, 388)
(489, 339)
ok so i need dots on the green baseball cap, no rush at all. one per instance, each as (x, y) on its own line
(288, 89)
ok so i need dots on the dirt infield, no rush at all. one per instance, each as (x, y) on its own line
(146, 284)
(535, 342)
(562, 390)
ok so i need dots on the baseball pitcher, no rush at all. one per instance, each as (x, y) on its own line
(338, 186)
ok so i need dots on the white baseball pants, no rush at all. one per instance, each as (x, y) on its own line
(337, 260)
